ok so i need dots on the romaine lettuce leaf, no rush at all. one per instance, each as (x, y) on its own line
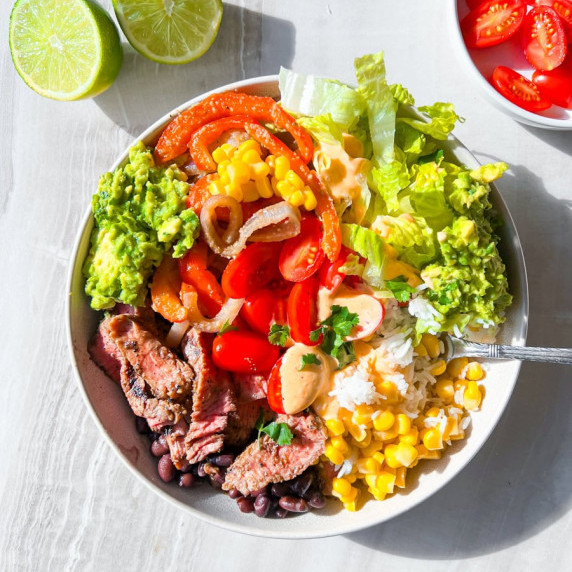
(368, 244)
(323, 128)
(443, 119)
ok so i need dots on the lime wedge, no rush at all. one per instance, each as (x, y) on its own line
(169, 31)
(64, 49)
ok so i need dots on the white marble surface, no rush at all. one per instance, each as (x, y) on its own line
(67, 503)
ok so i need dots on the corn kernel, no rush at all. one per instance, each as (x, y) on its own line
(351, 478)
(350, 496)
(384, 421)
(460, 435)
(373, 447)
(425, 453)
(335, 456)
(474, 371)
(357, 432)
(420, 350)
(400, 477)
(285, 189)
(310, 202)
(431, 343)
(340, 444)
(445, 390)
(217, 187)
(294, 180)
(365, 442)
(248, 145)
(368, 465)
(296, 199)
(335, 427)
(403, 424)
(252, 157)
(281, 167)
(259, 170)
(362, 415)
(451, 428)
(238, 172)
(264, 188)
(433, 439)
(351, 506)
(389, 390)
(235, 191)
(379, 457)
(220, 155)
(341, 486)
(456, 366)
(370, 479)
(250, 192)
(472, 396)
(438, 367)
(405, 454)
(391, 459)
(377, 495)
(432, 412)
(271, 162)
(385, 482)
(387, 435)
(222, 171)
(411, 437)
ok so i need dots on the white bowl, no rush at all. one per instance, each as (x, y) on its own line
(109, 408)
(479, 65)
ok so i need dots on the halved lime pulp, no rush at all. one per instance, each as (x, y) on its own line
(64, 49)
(169, 31)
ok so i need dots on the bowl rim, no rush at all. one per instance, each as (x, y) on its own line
(217, 520)
(500, 102)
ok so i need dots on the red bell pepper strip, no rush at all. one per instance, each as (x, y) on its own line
(165, 291)
(176, 136)
(206, 135)
(199, 193)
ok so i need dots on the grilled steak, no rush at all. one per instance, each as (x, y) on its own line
(165, 374)
(250, 386)
(104, 352)
(213, 400)
(260, 465)
(242, 422)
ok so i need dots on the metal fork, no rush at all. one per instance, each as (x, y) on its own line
(455, 347)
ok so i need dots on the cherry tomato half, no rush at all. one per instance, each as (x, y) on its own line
(244, 352)
(517, 89)
(544, 39)
(263, 308)
(330, 275)
(275, 389)
(253, 268)
(302, 255)
(493, 22)
(556, 85)
(303, 311)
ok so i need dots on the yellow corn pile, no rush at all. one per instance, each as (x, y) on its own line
(245, 176)
(383, 443)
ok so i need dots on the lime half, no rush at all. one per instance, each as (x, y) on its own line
(64, 49)
(169, 31)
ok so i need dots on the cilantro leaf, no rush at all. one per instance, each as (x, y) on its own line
(226, 327)
(400, 288)
(278, 334)
(346, 354)
(279, 432)
(435, 157)
(335, 328)
(309, 359)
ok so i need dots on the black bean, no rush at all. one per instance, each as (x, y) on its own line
(160, 447)
(293, 504)
(154, 436)
(245, 504)
(186, 480)
(280, 489)
(281, 512)
(262, 505)
(316, 499)
(223, 460)
(216, 477)
(166, 468)
(201, 470)
(234, 493)
(300, 485)
(258, 492)
(141, 425)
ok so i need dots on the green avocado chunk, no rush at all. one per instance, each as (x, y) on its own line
(140, 213)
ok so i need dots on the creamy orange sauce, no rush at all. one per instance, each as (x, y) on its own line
(300, 388)
(342, 169)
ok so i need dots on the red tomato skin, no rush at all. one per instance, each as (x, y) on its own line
(330, 275)
(263, 308)
(504, 79)
(253, 268)
(538, 55)
(479, 26)
(275, 389)
(302, 255)
(556, 85)
(244, 352)
(303, 312)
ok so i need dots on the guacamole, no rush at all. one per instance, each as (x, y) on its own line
(140, 213)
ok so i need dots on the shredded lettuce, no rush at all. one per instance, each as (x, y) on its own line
(368, 244)
(323, 129)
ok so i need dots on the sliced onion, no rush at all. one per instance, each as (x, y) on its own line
(227, 314)
(176, 333)
(217, 238)
(271, 224)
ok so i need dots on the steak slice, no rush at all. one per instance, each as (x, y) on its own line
(176, 441)
(213, 399)
(250, 386)
(241, 423)
(260, 465)
(103, 351)
(165, 374)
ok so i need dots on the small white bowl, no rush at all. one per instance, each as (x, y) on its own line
(479, 65)
(108, 406)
